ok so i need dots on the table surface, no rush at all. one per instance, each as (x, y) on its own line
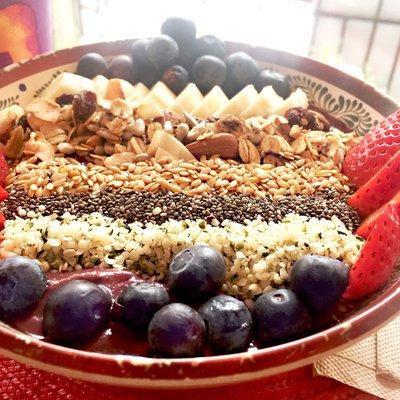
(20, 382)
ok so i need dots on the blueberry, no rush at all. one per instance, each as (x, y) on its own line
(278, 81)
(139, 302)
(209, 71)
(187, 56)
(122, 67)
(138, 52)
(319, 281)
(210, 45)
(77, 311)
(228, 322)
(91, 65)
(22, 284)
(176, 78)
(196, 273)
(149, 75)
(182, 30)
(177, 331)
(162, 51)
(279, 315)
(242, 69)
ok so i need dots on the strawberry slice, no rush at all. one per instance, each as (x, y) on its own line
(381, 142)
(2, 220)
(4, 170)
(379, 189)
(366, 227)
(3, 194)
(378, 257)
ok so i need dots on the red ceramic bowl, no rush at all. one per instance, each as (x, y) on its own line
(334, 92)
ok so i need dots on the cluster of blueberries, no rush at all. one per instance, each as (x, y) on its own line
(178, 57)
(186, 314)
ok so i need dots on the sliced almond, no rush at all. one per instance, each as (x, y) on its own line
(46, 110)
(248, 152)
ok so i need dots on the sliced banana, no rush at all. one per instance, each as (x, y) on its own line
(188, 99)
(265, 104)
(140, 91)
(100, 83)
(171, 145)
(67, 83)
(118, 89)
(148, 109)
(161, 95)
(296, 99)
(238, 103)
(212, 101)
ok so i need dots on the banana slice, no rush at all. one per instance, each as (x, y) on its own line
(188, 99)
(118, 89)
(296, 99)
(67, 83)
(171, 145)
(213, 101)
(238, 103)
(148, 109)
(265, 103)
(140, 91)
(161, 95)
(100, 83)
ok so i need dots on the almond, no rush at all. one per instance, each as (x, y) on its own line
(223, 144)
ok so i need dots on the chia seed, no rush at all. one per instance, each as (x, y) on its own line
(159, 207)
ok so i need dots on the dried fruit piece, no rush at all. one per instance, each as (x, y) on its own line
(230, 124)
(84, 105)
(223, 144)
(378, 257)
(307, 119)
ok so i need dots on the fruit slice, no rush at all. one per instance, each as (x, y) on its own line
(238, 103)
(296, 99)
(100, 83)
(148, 110)
(3, 194)
(214, 100)
(118, 89)
(266, 102)
(140, 91)
(2, 221)
(67, 83)
(161, 95)
(366, 227)
(167, 142)
(4, 170)
(379, 189)
(377, 147)
(377, 258)
(188, 99)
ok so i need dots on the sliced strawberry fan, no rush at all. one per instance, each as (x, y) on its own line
(378, 257)
(4, 170)
(375, 150)
(380, 189)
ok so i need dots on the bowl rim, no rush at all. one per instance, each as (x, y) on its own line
(203, 371)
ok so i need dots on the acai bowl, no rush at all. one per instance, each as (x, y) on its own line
(185, 194)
